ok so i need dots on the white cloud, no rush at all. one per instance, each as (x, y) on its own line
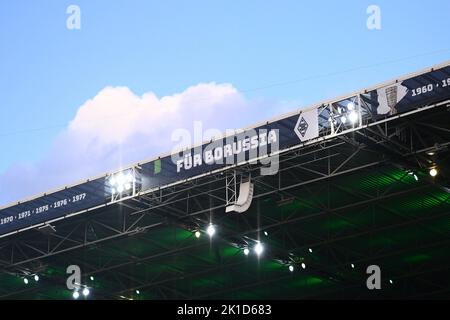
(118, 127)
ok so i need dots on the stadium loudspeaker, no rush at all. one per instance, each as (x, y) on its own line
(244, 200)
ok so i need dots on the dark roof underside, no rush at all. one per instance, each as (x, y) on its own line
(377, 215)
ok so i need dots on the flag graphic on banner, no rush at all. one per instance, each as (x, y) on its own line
(307, 126)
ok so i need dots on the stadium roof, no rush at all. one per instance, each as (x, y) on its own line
(334, 207)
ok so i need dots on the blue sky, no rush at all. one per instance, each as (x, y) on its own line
(262, 48)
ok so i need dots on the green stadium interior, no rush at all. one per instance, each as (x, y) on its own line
(335, 207)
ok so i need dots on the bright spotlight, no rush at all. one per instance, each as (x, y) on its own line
(291, 268)
(416, 177)
(391, 282)
(75, 294)
(259, 248)
(310, 250)
(197, 234)
(353, 266)
(92, 278)
(303, 265)
(36, 278)
(25, 280)
(86, 292)
(246, 251)
(138, 292)
(433, 172)
(353, 117)
(211, 230)
(122, 181)
(343, 119)
(266, 233)
(351, 106)
(129, 177)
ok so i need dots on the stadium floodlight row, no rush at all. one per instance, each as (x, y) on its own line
(417, 92)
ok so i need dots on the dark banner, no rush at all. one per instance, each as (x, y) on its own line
(411, 93)
(52, 206)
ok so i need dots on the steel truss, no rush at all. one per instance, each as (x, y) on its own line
(401, 142)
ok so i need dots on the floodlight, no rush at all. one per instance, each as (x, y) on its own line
(433, 172)
(129, 177)
(123, 181)
(120, 179)
(353, 117)
(211, 230)
(259, 248)
(86, 292)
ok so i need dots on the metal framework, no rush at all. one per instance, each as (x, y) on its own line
(403, 141)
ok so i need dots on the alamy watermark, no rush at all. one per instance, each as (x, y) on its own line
(374, 280)
(374, 19)
(73, 21)
(73, 282)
